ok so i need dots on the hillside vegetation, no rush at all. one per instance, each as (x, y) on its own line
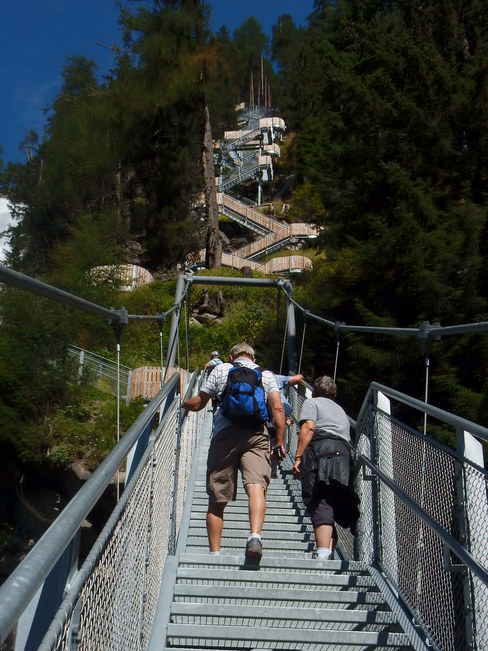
(386, 106)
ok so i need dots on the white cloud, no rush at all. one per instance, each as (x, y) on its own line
(6, 220)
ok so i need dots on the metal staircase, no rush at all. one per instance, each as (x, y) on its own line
(420, 568)
(285, 601)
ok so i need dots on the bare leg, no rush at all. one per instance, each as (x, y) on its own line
(323, 536)
(257, 506)
(215, 524)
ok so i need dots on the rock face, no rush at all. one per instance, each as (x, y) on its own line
(209, 309)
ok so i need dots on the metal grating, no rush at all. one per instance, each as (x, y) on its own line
(430, 579)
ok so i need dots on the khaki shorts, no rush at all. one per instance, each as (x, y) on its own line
(237, 448)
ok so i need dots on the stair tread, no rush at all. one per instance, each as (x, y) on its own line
(284, 600)
(244, 634)
(281, 613)
(273, 595)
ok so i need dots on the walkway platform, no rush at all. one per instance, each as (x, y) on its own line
(284, 601)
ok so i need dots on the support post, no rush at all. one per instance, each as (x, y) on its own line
(292, 331)
(175, 318)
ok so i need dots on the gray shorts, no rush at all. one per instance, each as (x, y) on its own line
(237, 448)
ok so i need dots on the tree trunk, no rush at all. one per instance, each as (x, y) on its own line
(213, 253)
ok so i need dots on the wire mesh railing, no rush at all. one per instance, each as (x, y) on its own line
(92, 367)
(111, 600)
(114, 599)
(424, 517)
(113, 595)
(424, 514)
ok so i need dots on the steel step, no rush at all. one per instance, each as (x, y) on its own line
(275, 579)
(277, 597)
(267, 637)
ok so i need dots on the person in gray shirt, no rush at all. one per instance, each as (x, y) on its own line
(323, 462)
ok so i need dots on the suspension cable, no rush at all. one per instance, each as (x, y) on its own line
(338, 344)
(278, 310)
(176, 309)
(336, 358)
(118, 414)
(161, 352)
(426, 392)
(117, 322)
(178, 352)
(284, 344)
(187, 334)
(303, 340)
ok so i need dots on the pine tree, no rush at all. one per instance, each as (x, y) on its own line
(390, 146)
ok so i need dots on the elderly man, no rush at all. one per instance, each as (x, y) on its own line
(214, 361)
(239, 445)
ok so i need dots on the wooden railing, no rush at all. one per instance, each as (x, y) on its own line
(146, 381)
(288, 232)
(249, 214)
(276, 265)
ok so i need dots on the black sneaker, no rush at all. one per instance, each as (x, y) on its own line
(254, 549)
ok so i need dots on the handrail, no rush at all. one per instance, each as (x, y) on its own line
(251, 214)
(189, 390)
(34, 286)
(22, 585)
(456, 421)
(449, 540)
(425, 331)
(95, 358)
(222, 280)
(80, 577)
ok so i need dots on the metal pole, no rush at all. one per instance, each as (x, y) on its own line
(161, 350)
(118, 415)
(292, 331)
(336, 358)
(303, 342)
(216, 280)
(21, 281)
(175, 317)
(426, 394)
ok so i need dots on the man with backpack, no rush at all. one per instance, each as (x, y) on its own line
(240, 440)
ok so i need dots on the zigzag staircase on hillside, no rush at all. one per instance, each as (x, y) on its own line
(247, 154)
(275, 235)
(285, 601)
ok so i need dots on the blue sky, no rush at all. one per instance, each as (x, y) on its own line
(39, 36)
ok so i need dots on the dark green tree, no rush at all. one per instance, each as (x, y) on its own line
(389, 145)
(250, 45)
(173, 62)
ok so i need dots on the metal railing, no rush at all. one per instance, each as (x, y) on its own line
(93, 366)
(424, 515)
(115, 591)
(110, 601)
(423, 525)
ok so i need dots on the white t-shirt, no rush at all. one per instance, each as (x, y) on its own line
(216, 382)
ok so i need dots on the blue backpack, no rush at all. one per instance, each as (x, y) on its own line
(243, 397)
